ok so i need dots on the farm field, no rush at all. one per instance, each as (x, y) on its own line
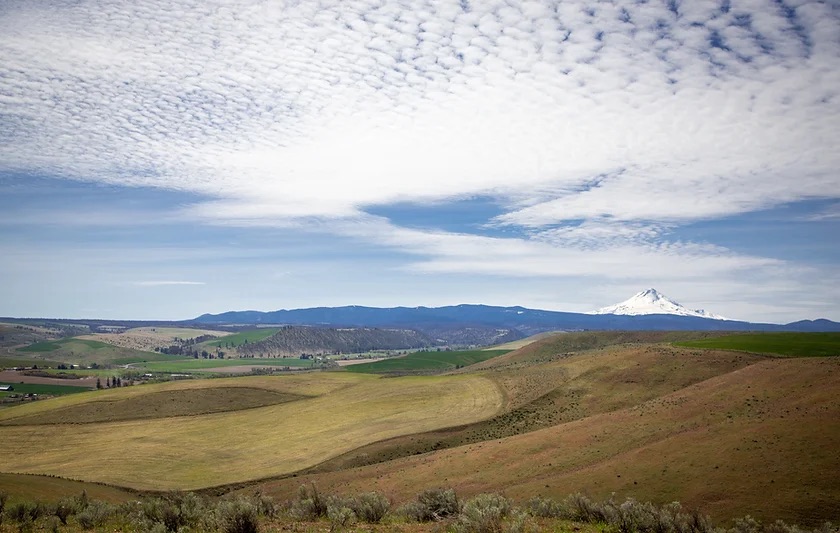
(149, 338)
(13, 361)
(41, 388)
(23, 487)
(197, 365)
(281, 438)
(74, 350)
(787, 344)
(425, 361)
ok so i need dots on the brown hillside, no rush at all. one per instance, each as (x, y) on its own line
(761, 440)
(572, 387)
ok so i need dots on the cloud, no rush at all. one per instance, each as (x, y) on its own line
(601, 128)
(162, 283)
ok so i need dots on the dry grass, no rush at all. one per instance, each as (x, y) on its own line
(22, 487)
(148, 338)
(347, 411)
(761, 440)
(159, 404)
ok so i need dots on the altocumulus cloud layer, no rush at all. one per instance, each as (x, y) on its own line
(599, 127)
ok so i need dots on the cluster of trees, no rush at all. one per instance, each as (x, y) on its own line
(110, 382)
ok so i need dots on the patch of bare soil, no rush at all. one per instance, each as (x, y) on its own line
(13, 376)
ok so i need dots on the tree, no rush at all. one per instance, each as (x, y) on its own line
(98, 383)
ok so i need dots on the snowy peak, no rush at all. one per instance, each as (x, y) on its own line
(653, 302)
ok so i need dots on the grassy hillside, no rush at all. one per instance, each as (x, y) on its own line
(787, 344)
(23, 487)
(344, 411)
(426, 361)
(626, 413)
(571, 388)
(85, 351)
(724, 445)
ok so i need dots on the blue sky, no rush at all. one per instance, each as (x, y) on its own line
(167, 159)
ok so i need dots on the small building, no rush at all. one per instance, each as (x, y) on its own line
(6, 388)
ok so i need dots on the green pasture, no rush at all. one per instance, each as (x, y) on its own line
(51, 346)
(36, 388)
(238, 339)
(424, 361)
(12, 362)
(196, 365)
(84, 351)
(787, 344)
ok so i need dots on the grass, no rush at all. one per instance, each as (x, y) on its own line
(12, 362)
(85, 351)
(760, 440)
(37, 388)
(22, 487)
(238, 339)
(197, 365)
(426, 361)
(185, 402)
(345, 412)
(787, 344)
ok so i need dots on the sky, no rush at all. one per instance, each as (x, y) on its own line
(164, 159)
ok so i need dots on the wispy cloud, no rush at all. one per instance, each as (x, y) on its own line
(165, 283)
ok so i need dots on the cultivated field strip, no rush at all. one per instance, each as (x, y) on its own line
(191, 452)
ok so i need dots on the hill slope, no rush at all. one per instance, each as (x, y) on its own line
(630, 420)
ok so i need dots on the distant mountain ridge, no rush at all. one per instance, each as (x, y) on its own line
(518, 320)
(653, 302)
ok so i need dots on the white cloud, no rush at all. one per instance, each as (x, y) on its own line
(602, 127)
(163, 283)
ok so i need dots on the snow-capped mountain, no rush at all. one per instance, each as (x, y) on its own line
(652, 302)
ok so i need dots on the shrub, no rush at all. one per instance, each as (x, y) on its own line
(310, 505)
(432, 504)
(238, 516)
(3, 499)
(173, 512)
(484, 514)
(94, 515)
(22, 512)
(547, 508)
(63, 509)
(340, 516)
(370, 507)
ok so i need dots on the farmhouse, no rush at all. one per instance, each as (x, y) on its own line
(5, 388)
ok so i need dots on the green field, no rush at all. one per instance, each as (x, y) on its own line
(84, 351)
(238, 339)
(12, 362)
(787, 344)
(192, 365)
(423, 361)
(34, 388)
(51, 346)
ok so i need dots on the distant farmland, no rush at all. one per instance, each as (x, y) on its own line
(788, 344)
(422, 361)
